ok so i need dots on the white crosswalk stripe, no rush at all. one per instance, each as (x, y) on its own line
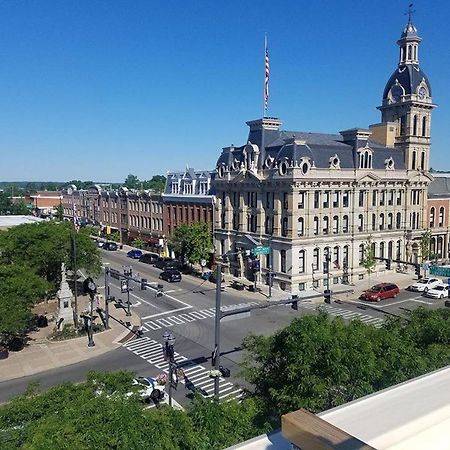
(192, 316)
(196, 375)
(345, 314)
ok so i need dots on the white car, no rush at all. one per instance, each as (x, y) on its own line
(424, 284)
(439, 291)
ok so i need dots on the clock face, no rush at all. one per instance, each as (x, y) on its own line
(422, 92)
(396, 93)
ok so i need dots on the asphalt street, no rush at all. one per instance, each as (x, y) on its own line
(187, 309)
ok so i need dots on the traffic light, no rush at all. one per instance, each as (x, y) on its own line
(417, 271)
(143, 286)
(123, 286)
(327, 296)
(388, 264)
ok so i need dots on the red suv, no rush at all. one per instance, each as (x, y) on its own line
(380, 292)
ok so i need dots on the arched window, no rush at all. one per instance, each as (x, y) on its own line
(360, 222)
(374, 221)
(422, 161)
(424, 126)
(409, 52)
(432, 216)
(316, 225)
(300, 226)
(441, 216)
(316, 258)
(398, 221)
(336, 263)
(345, 253)
(335, 225)
(402, 125)
(414, 159)
(390, 249)
(415, 125)
(381, 249)
(326, 225)
(301, 261)
(361, 254)
(390, 221)
(284, 226)
(398, 250)
(283, 261)
(382, 221)
(345, 224)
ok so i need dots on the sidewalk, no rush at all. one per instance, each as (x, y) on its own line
(41, 354)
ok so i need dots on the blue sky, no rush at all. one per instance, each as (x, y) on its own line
(97, 89)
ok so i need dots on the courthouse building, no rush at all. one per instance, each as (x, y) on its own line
(307, 195)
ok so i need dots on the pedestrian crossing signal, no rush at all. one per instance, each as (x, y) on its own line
(124, 286)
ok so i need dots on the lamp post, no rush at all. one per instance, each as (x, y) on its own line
(91, 289)
(169, 341)
(70, 190)
(128, 272)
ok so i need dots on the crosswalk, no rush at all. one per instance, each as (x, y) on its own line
(197, 378)
(192, 316)
(346, 314)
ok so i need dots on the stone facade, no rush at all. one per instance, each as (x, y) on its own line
(307, 195)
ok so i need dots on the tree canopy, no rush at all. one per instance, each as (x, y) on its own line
(318, 362)
(97, 414)
(156, 183)
(8, 207)
(192, 242)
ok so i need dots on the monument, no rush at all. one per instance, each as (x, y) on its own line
(64, 314)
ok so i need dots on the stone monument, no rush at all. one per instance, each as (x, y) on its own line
(64, 314)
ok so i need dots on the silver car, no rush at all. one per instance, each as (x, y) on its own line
(439, 291)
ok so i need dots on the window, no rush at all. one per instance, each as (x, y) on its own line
(381, 249)
(414, 158)
(301, 200)
(345, 197)
(284, 226)
(345, 252)
(283, 261)
(391, 198)
(336, 260)
(326, 225)
(382, 198)
(360, 222)
(301, 261)
(236, 221)
(402, 125)
(382, 221)
(316, 257)
(415, 196)
(390, 249)
(424, 126)
(316, 226)
(399, 198)
(361, 198)
(316, 199)
(269, 200)
(432, 217)
(345, 224)
(316, 284)
(441, 216)
(390, 221)
(374, 198)
(300, 226)
(398, 250)
(374, 221)
(365, 159)
(335, 225)
(326, 199)
(251, 199)
(415, 125)
(361, 254)
(422, 161)
(398, 220)
(235, 198)
(301, 286)
(269, 225)
(336, 199)
(285, 200)
(327, 258)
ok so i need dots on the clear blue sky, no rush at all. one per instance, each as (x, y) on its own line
(97, 89)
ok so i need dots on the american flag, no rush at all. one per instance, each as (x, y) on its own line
(266, 78)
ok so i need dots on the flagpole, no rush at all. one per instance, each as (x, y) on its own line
(266, 76)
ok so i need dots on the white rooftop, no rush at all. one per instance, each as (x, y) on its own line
(411, 415)
(12, 221)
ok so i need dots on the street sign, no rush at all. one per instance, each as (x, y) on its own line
(440, 271)
(260, 250)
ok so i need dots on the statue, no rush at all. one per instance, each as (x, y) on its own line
(64, 313)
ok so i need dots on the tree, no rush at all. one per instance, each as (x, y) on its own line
(318, 363)
(425, 243)
(44, 246)
(8, 207)
(59, 212)
(369, 260)
(192, 242)
(132, 182)
(20, 289)
(156, 184)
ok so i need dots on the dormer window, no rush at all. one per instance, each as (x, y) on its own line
(389, 164)
(365, 158)
(335, 162)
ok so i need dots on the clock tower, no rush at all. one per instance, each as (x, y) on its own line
(407, 103)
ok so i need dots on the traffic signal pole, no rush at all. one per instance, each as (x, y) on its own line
(216, 353)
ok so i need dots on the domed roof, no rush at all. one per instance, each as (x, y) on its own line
(409, 76)
(410, 31)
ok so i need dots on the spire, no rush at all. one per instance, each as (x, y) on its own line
(409, 42)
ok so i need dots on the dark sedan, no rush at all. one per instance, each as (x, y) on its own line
(135, 253)
(170, 275)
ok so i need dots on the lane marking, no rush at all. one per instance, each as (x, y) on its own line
(166, 312)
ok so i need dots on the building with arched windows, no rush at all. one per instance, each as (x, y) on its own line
(308, 195)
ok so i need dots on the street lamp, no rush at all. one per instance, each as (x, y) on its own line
(70, 191)
(128, 272)
(91, 289)
(169, 342)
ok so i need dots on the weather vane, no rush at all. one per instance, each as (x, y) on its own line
(410, 12)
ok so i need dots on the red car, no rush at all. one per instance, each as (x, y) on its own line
(380, 292)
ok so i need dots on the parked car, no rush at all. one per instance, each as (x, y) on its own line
(380, 292)
(150, 389)
(135, 253)
(112, 246)
(424, 284)
(439, 291)
(170, 275)
(149, 258)
(167, 263)
(100, 244)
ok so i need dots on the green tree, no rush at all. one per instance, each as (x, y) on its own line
(192, 242)
(157, 183)
(425, 245)
(20, 289)
(59, 212)
(369, 260)
(44, 246)
(132, 182)
(8, 207)
(138, 243)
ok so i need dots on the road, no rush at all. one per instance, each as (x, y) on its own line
(187, 309)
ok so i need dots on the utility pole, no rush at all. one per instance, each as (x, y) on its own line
(270, 273)
(107, 294)
(216, 353)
